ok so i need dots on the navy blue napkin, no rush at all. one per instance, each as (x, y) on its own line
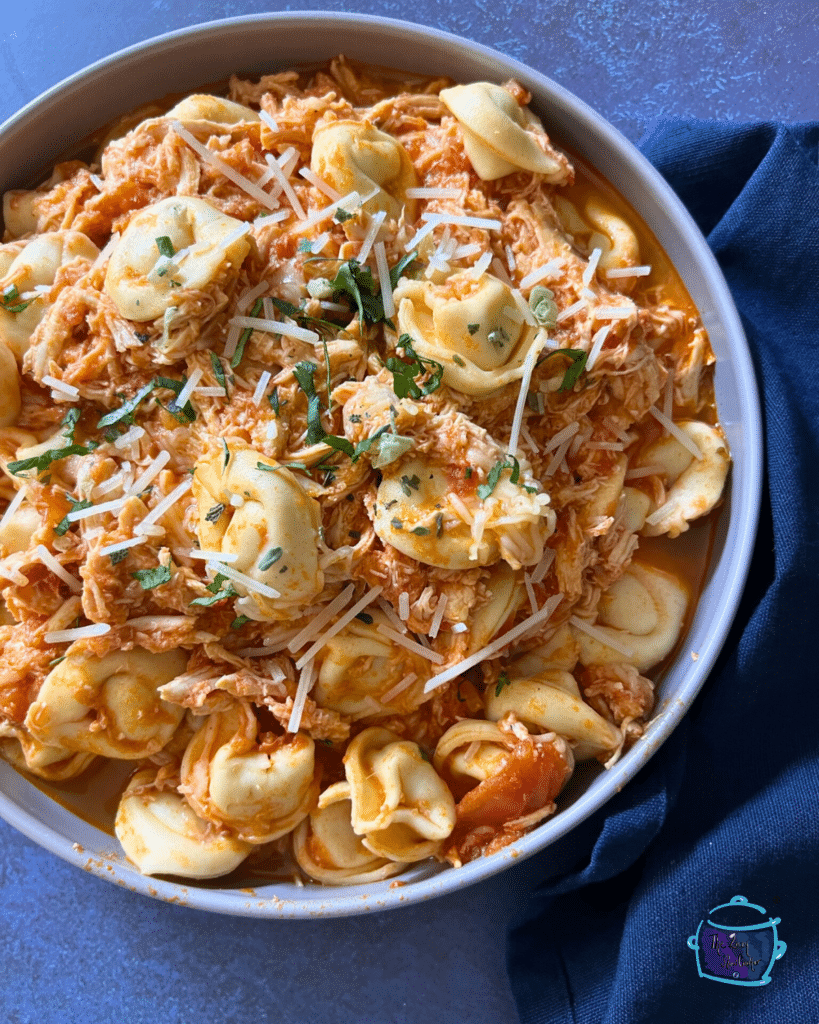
(729, 805)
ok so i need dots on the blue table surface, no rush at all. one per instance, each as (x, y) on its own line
(76, 949)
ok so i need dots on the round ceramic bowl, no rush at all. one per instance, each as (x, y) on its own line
(187, 60)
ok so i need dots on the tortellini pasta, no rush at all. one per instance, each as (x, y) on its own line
(142, 282)
(498, 132)
(55, 764)
(36, 267)
(470, 326)
(161, 835)
(400, 806)
(251, 507)
(695, 484)
(355, 156)
(213, 109)
(10, 401)
(551, 702)
(642, 613)
(360, 668)
(108, 705)
(260, 790)
(327, 849)
(427, 525)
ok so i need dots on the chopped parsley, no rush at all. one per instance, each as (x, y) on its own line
(214, 512)
(578, 364)
(9, 300)
(270, 558)
(420, 531)
(165, 246)
(404, 373)
(342, 215)
(150, 578)
(245, 336)
(458, 361)
(218, 371)
(410, 484)
(273, 399)
(305, 245)
(439, 525)
(397, 524)
(473, 328)
(239, 621)
(484, 490)
(365, 617)
(41, 462)
(304, 372)
(64, 524)
(125, 413)
(117, 556)
(503, 680)
(226, 456)
(355, 282)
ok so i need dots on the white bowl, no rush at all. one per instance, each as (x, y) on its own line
(186, 60)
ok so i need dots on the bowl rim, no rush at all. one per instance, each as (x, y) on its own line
(741, 529)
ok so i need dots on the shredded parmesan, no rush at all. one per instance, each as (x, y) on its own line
(181, 399)
(239, 577)
(286, 187)
(541, 273)
(525, 381)
(59, 385)
(261, 386)
(159, 510)
(481, 265)
(458, 627)
(612, 312)
(411, 645)
(304, 687)
(600, 636)
(597, 345)
(488, 223)
(247, 298)
(398, 688)
(672, 428)
(570, 311)
(438, 617)
(212, 556)
(643, 271)
(275, 327)
(13, 505)
(245, 184)
(121, 545)
(591, 267)
(510, 258)
(153, 470)
(559, 456)
(319, 183)
(313, 628)
(59, 636)
(268, 120)
(389, 611)
(543, 565)
(384, 279)
(421, 192)
(51, 563)
(560, 437)
(95, 510)
(375, 223)
(128, 438)
(668, 396)
(496, 646)
(643, 471)
(348, 616)
(403, 605)
(530, 591)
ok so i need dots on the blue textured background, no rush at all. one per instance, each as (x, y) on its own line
(75, 950)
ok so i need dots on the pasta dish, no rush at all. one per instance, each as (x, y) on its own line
(345, 442)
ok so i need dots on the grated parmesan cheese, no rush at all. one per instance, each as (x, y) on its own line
(403, 606)
(672, 428)
(422, 192)
(275, 327)
(542, 272)
(239, 577)
(245, 184)
(261, 387)
(61, 386)
(59, 636)
(597, 345)
(600, 636)
(438, 617)
(152, 470)
(313, 628)
(411, 645)
(348, 616)
(398, 688)
(319, 183)
(50, 562)
(570, 311)
(384, 279)
(615, 272)
(304, 687)
(159, 510)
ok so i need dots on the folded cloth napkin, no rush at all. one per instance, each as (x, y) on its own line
(729, 805)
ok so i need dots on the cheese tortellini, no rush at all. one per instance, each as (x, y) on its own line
(469, 326)
(143, 283)
(642, 613)
(31, 272)
(425, 523)
(327, 849)
(360, 667)
(400, 805)
(251, 507)
(499, 133)
(355, 156)
(55, 764)
(215, 110)
(259, 788)
(162, 835)
(108, 705)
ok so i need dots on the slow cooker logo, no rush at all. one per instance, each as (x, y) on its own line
(733, 944)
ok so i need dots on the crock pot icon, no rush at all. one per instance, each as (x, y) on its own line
(733, 945)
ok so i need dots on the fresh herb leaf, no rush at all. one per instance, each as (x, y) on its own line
(305, 245)
(239, 621)
(404, 373)
(458, 361)
(285, 465)
(420, 531)
(390, 448)
(245, 336)
(226, 456)
(117, 556)
(165, 246)
(396, 524)
(410, 484)
(218, 371)
(214, 512)
(9, 297)
(41, 462)
(468, 472)
(342, 215)
(365, 617)
(578, 364)
(510, 462)
(64, 524)
(439, 525)
(150, 578)
(503, 680)
(126, 411)
(401, 266)
(473, 328)
(304, 373)
(273, 398)
(543, 306)
(270, 558)
(140, 337)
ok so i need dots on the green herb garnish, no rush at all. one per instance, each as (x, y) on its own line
(239, 621)
(218, 371)
(214, 512)
(150, 578)
(270, 558)
(503, 680)
(484, 490)
(245, 335)
(578, 364)
(404, 374)
(473, 328)
(117, 556)
(410, 484)
(64, 524)
(165, 246)
(41, 462)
